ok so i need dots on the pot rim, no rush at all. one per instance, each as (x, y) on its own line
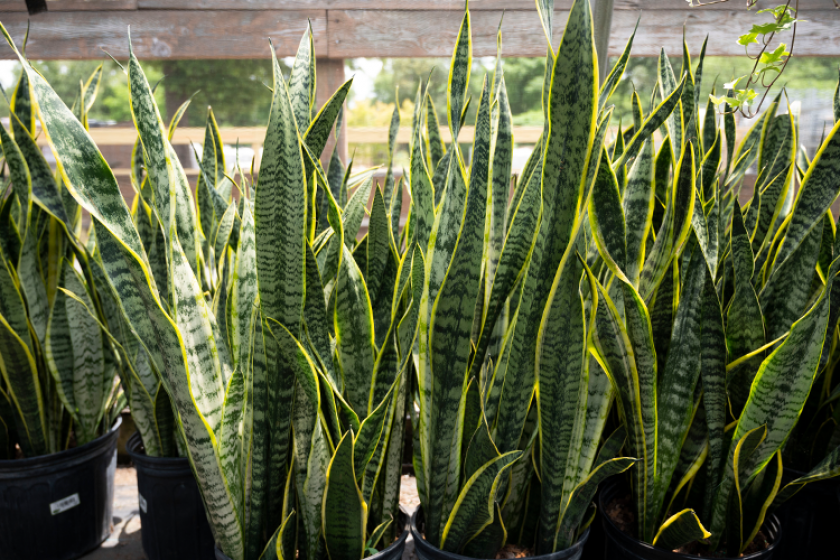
(397, 543)
(139, 457)
(772, 521)
(418, 538)
(32, 466)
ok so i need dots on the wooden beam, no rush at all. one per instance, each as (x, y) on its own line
(71, 5)
(452, 5)
(341, 33)
(427, 33)
(164, 34)
(456, 5)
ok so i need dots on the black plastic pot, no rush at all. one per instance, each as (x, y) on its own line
(426, 551)
(174, 525)
(393, 552)
(59, 506)
(621, 546)
(809, 520)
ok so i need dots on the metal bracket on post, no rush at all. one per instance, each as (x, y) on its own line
(36, 6)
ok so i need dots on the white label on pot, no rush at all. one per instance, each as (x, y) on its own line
(64, 504)
(143, 505)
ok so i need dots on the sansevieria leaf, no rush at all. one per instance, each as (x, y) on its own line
(344, 513)
(280, 204)
(450, 330)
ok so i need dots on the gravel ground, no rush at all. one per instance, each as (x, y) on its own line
(125, 544)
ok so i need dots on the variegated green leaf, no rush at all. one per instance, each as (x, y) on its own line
(436, 146)
(713, 382)
(311, 453)
(370, 434)
(516, 249)
(302, 81)
(779, 391)
(354, 332)
(572, 117)
(656, 118)
(172, 193)
(638, 206)
(75, 355)
(459, 76)
(816, 194)
(680, 529)
(474, 509)
(19, 370)
(606, 218)
(829, 467)
(19, 175)
(675, 403)
(344, 513)
(561, 392)
(319, 131)
(243, 293)
(676, 225)
(379, 245)
(502, 152)
(745, 322)
(422, 197)
(92, 184)
(617, 73)
(449, 334)
(545, 8)
(280, 213)
(45, 191)
(21, 106)
(231, 434)
(785, 296)
(282, 545)
(570, 522)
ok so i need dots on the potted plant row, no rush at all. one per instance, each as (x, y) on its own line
(612, 312)
(60, 395)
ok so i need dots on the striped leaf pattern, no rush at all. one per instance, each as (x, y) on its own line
(280, 351)
(280, 213)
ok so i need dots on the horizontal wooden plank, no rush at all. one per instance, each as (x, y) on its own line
(364, 33)
(164, 34)
(71, 5)
(160, 34)
(475, 5)
(254, 135)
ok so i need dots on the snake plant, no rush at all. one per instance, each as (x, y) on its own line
(281, 344)
(511, 407)
(58, 362)
(712, 318)
(817, 435)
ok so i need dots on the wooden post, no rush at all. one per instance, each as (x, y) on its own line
(330, 76)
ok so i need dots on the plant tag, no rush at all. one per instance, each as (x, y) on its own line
(143, 505)
(64, 504)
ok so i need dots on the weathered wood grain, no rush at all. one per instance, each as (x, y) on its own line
(165, 34)
(71, 5)
(360, 33)
(475, 5)
(344, 33)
